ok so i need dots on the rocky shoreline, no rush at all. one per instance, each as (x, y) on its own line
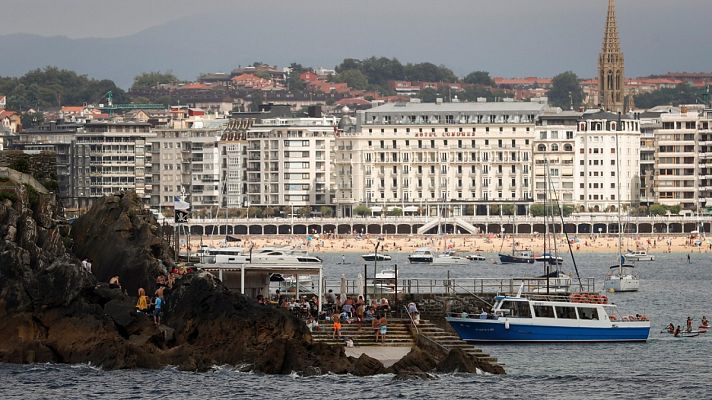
(53, 310)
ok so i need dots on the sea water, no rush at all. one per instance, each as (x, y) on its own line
(664, 367)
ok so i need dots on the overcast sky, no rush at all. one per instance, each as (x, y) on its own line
(549, 36)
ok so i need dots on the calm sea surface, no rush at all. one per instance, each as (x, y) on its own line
(664, 367)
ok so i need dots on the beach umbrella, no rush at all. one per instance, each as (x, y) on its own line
(343, 287)
(359, 285)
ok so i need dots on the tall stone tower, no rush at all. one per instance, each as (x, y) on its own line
(611, 85)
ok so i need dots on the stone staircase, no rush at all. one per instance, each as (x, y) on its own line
(450, 341)
(399, 334)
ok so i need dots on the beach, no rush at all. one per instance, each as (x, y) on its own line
(461, 243)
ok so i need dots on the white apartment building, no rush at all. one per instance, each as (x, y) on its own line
(108, 158)
(607, 163)
(682, 158)
(233, 154)
(187, 161)
(415, 155)
(704, 126)
(289, 162)
(554, 149)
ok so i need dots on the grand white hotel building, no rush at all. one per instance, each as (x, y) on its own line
(423, 156)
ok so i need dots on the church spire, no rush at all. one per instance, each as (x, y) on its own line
(611, 83)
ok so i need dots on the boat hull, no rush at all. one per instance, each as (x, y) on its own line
(371, 257)
(510, 259)
(514, 330)
(629, 257)
(420, 260)
(621, 284)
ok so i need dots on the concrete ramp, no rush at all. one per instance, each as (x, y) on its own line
(458, 222)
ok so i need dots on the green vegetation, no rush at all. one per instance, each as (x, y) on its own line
(377, 71)
(659, 209)
(565, 91)
(395, 212)
(680, 94)
(479, 78)
(362, 210)
(326, 211)
(52, 87)
(538, 210)
(149, 80)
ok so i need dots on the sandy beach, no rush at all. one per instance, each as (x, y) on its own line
(460, 243)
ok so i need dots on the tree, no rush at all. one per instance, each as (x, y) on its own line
(428, 95)
(149, 80)
(680, 94)
(479, 78)
(395, 212)
(657, 209)
(52, 87)
(565, 91)
(675, 210)
(495, 209)
(354, 78)
(30, 120)
(429, 72)
(537, 210)
(507, 209)
(326, 211)
(362, 210)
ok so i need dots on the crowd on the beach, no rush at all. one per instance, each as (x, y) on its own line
(475, 243)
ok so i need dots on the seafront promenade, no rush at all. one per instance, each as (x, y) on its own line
(587, 223)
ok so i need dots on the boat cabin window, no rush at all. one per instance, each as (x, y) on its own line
(566, 312)
(544, 311)
(587, 313)
(516, 309)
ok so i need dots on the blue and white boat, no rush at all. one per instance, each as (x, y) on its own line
(574, 318)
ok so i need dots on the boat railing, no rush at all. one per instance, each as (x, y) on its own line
(464, 286)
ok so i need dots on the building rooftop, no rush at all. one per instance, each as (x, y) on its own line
(459, 107)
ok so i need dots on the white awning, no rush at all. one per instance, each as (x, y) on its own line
(376, 209)
(410, 209)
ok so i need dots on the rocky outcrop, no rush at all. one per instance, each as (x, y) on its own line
(121, 238)
(54, 311)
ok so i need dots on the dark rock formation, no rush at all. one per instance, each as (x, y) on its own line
(54, 311)
(121, 238)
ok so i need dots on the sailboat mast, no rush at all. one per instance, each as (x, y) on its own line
(546, 223)
(618, 196)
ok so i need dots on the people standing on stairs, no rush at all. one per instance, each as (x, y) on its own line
(382, 328)
(336, 320)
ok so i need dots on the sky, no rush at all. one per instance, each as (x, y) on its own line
(505, 37)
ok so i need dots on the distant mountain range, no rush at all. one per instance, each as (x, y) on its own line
(503, 40)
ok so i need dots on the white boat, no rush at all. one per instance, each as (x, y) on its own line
(450, 258)
(421, 256)
(376, 257)
(384, 282)
(622, 278)
(574, 318)
(475, 257)
(283, 257)
(639, 255)
(557, 282)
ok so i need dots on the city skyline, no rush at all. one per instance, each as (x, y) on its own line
(189, 41)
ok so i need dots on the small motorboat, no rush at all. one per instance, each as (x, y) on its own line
(549, 258)
(638, 255)
(421, 256)
(450, 258)
(475, 257)
(376, 257)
